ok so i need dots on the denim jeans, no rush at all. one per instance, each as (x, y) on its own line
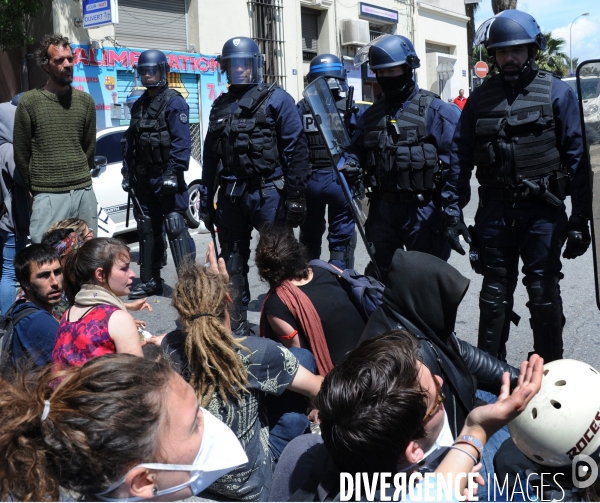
(8, 281)
(287, 413)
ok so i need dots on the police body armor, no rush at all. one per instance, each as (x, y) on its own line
(399, 158)
(318, 154)
(517, 142)
(246, 143)
(152, 138)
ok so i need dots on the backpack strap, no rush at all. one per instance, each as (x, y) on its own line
(321, 264)
(8, 336)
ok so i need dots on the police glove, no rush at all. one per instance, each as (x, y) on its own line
(578, 237)
(352, 173)
(169, 185)
(295, 211)
(126, 182)
(454, 227)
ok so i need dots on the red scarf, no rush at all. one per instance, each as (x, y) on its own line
(305, 314)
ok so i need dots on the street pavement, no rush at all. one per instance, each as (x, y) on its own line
(581, 332)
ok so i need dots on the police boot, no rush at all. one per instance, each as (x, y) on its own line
(495, 309)
(152, 287)
(546, 320)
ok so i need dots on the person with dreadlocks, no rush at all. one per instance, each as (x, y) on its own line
(232, 376)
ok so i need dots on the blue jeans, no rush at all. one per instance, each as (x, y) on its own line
(287, 413)
(489, 451)
(8, 282)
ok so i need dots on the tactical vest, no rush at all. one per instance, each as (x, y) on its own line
(246, 143)
(318, 154)
(516, 142)
(398, 156)
(152, 138)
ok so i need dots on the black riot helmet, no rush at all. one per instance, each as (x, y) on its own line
(387, 51)
(510, 27)
(241, 62)
(330, 67)
(152, 68)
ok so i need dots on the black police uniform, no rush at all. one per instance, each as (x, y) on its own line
(158, 142)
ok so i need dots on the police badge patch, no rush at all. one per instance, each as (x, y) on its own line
(183, 118)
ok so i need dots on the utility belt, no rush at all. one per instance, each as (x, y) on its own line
(401, 197)
(151, 169)
(551, 190)
(237, 188)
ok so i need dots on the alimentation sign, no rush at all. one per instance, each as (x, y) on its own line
(99, 12)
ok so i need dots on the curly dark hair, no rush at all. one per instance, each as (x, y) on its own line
(279, 255)
(372, 405)
(41, 55)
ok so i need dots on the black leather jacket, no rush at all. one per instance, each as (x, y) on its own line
(422, 296)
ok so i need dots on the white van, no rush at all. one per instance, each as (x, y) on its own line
(590, 90)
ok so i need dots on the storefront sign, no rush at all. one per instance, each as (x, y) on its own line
(378, 13)
(99, 12)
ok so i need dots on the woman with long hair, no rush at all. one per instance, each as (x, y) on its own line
(97, 322)
(233, 376)
(119, 428)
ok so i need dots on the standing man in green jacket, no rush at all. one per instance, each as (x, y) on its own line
(55, 141)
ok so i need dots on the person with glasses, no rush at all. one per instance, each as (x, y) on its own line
(156, 154)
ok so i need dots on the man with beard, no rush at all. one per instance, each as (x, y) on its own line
(55, 141)
(402, 143)
(39, 273)
(522, 130)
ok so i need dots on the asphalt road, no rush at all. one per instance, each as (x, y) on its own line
(581, 332)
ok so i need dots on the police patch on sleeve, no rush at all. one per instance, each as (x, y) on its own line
(183, 118)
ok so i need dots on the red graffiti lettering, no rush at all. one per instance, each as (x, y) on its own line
(212, 95)
(174, 62)
(80, 56)
(184, 61)
(93, 60)
(202, 64)
(133, 58)
(113, 57)
(213, 64)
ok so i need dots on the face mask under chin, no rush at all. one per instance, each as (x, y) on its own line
(397, 88)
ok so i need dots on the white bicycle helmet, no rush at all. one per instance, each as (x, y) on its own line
(560, 420)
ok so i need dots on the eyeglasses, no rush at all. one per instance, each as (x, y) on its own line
(439, 399)
(148, 70)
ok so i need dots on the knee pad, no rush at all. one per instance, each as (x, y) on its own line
(543, 291)
(492, 298)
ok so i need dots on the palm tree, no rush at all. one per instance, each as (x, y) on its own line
(553, 58)
(500, 5)
(470, 9)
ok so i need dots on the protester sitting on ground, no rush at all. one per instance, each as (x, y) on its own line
(538, 461)
(40, 275)
(76, 225)
(14, 218)
(381, 411)
(232, 377)
(118, 428)
(97, 323)
(306, 307)
(63, 240)
(422, 296)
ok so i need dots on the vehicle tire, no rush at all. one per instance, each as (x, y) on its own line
(192, 212)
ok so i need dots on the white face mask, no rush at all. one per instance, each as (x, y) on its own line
(220, 452)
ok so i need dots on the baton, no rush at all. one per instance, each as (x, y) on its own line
(128, 208)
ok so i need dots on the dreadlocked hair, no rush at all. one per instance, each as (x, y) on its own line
(103, 418)
(211, 350)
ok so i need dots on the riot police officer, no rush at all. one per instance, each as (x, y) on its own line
(255, 155)
(400, 143)
(522, 130)
(157, 152)
(324, 188)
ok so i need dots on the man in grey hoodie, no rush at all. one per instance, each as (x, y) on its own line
(14, 206)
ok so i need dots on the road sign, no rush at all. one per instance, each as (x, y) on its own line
(99, 13)
(481, 69)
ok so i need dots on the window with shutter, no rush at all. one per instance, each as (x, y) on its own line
(310, 33)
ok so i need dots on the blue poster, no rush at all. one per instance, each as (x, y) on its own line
(99, 12)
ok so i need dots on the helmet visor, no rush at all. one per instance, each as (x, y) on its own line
(151, 75)
(362, 56)
(238, 71)
(481, 36)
